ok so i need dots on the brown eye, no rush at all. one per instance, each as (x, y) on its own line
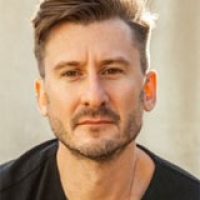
(112, 71)
(72, 74)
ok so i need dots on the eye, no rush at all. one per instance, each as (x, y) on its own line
(72, 74)
(113, 71)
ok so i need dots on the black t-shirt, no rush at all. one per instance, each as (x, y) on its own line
(34, 176)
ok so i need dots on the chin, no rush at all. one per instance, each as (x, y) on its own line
(90, 133)
(97, 148)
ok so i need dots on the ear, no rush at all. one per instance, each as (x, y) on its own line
(42, 98)
(150, 91)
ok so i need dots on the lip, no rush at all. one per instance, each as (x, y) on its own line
(95, 122)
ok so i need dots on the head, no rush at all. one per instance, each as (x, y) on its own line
(51, 13)
(93, 62)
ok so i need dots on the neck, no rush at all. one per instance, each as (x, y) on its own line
(86, 179)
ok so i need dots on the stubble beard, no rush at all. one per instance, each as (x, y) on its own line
(103, 150)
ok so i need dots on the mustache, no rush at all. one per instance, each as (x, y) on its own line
(94, 113)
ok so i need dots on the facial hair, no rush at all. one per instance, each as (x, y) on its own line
(106, 149)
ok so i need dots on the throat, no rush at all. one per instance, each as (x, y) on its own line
(89, 180)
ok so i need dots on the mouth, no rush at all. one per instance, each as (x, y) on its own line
(95, 122)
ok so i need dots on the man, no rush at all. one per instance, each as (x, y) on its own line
(94, 86)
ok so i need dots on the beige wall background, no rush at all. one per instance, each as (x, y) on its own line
(172, 130)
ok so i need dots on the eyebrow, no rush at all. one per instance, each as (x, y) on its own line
(117, 60)
(64, 64)
(109, 61)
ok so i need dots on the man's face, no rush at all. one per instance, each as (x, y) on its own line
(93, 91)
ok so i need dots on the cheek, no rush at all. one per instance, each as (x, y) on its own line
(62, 102)
(125, 96)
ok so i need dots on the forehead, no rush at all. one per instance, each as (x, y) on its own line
(100, 39)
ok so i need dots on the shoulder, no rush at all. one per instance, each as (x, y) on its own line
(16, 171)
(171, 181)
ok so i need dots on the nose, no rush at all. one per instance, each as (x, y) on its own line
(94, 94)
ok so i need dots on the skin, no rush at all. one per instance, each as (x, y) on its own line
(94, 94)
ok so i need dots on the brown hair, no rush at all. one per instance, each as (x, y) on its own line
(53, 12)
